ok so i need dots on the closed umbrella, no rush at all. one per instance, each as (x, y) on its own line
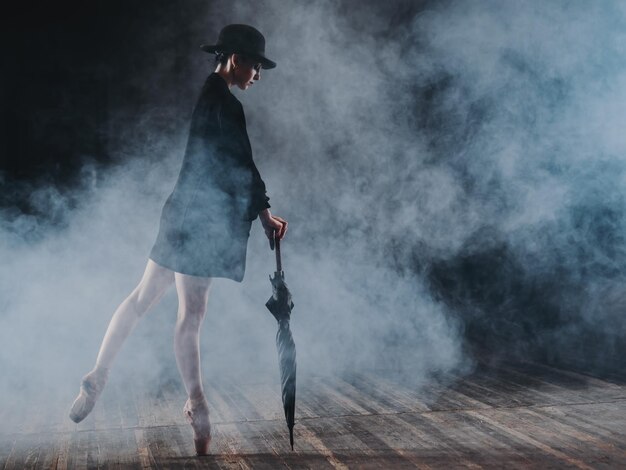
(280, 305)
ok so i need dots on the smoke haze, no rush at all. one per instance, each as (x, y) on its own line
(451, 172)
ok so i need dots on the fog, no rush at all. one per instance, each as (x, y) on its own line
(449, 171)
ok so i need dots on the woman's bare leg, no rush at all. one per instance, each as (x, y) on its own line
(155, 281)
(193, 295)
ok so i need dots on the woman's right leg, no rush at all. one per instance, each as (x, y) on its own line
(154, 283)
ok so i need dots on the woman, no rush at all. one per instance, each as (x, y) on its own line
(204, 226)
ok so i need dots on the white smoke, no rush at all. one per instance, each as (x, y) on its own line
(385, 143)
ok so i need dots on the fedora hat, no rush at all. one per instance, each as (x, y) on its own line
(241, 39)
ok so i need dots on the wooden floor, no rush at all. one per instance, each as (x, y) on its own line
(514, 416)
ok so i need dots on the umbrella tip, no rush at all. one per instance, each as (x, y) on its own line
(291, 437)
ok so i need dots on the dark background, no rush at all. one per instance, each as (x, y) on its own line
(74, 71)
(77, 75)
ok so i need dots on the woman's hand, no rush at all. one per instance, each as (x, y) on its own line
(272, 223)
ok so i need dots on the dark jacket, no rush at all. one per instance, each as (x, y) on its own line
(218, 153)
(205, 222)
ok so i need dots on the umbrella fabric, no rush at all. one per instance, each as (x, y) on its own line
(280, 304)
(287, 359)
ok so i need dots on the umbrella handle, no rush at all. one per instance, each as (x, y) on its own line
(279, 265)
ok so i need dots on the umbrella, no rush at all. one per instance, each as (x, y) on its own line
(280, 305)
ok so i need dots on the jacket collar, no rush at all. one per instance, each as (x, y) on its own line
(216, 79)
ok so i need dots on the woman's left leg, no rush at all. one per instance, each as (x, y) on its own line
(193, 296)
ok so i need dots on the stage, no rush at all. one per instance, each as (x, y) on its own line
(513, 415)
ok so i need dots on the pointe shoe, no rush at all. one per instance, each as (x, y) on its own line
(90, 389)
(197, 414)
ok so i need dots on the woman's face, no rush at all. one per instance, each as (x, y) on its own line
(247, 71)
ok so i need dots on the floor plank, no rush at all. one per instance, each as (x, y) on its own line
(514, 415)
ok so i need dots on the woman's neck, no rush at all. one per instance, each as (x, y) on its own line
(226, 73)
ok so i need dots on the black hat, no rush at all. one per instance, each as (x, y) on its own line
(241, 39)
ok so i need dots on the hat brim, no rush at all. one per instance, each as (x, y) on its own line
(265, 62)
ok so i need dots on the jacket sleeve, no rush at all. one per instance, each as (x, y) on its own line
(259, 198)
(234, 145)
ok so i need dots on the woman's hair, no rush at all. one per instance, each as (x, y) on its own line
(222, 57)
